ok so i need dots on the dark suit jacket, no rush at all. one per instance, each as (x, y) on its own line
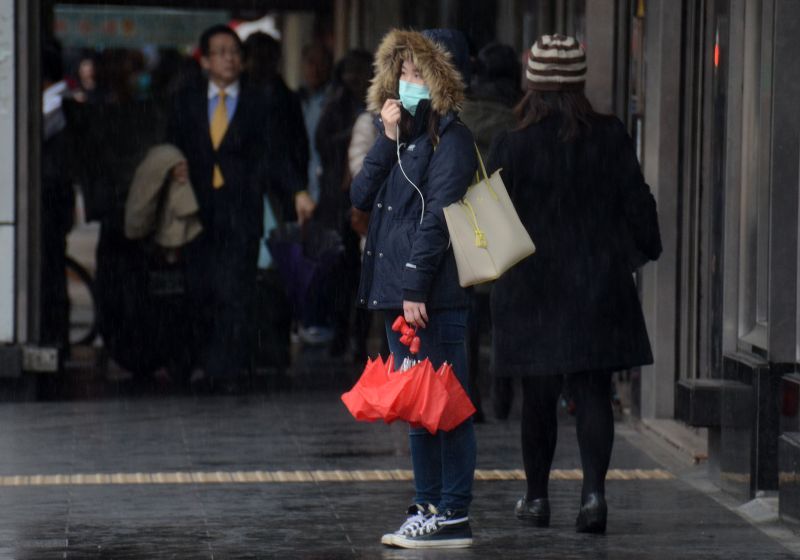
(252, 158)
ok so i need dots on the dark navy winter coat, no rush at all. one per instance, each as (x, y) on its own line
(573, 305)
(403, 258)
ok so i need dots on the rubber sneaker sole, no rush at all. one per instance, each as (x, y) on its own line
(388, 539)
(404, 542)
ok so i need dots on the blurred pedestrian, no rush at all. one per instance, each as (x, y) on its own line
(361, 140)
(422, 161)
(489, 110)
(262, 70)
(58, 203)
(346, 102)
(87, 88)
(222, 128)
(112, 135)
(572, 308)
(317, 63)
(493, 94)
(273, 308)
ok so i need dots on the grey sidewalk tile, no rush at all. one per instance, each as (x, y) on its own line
(648, 519)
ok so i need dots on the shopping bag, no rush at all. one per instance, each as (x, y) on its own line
(487, 235)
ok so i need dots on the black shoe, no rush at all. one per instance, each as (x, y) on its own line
(592, 515)
(536, 512)
(417, 514)
(447, 530)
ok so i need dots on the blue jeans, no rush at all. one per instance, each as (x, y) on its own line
(443, 463)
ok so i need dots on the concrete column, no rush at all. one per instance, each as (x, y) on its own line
(660, 163)
(600, 29)
(448, 13)
(355, 32)
(340, 28)
(8, 157)
(508, 28)
(380, 17)
(560, 25)
(29, 147)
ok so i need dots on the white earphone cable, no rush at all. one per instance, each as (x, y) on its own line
(403, 171)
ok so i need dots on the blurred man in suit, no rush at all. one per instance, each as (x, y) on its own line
(234, 152)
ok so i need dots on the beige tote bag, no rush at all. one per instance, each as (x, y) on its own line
(487, 235)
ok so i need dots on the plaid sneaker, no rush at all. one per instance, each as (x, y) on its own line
(418, 514)
(447, 530)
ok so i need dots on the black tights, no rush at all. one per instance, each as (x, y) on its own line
(591, 392)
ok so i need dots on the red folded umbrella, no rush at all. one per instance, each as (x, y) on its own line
(398, 386)
(423, 399)
(382, 393)
(434, 400)
(358, 400)
(458, 406)
(401, 397)
(405, 394)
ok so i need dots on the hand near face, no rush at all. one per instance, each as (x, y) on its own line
(390, 115)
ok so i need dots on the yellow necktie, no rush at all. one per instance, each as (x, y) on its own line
(219, 124)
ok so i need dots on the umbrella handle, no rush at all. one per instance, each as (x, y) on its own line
(408, 334)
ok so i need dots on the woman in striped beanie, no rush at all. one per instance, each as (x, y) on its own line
(570, 313)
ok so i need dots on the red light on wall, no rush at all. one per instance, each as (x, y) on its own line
(716, 49)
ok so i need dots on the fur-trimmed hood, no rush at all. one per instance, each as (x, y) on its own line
(434, 63)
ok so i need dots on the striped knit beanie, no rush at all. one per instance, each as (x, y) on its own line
(556, 63)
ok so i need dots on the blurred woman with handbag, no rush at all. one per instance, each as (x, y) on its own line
(571, 310)
(422, 161)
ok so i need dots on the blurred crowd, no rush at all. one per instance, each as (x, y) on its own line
(113, 107)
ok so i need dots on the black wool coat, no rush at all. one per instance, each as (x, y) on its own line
(573, 305)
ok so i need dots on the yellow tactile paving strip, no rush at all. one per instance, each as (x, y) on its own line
(282, 477)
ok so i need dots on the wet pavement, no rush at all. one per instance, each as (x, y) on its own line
(291, 475)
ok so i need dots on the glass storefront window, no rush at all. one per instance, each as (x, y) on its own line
(704, 139)
(754, 224)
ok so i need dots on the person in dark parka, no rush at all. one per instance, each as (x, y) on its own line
(572, 308)
(409, 267)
